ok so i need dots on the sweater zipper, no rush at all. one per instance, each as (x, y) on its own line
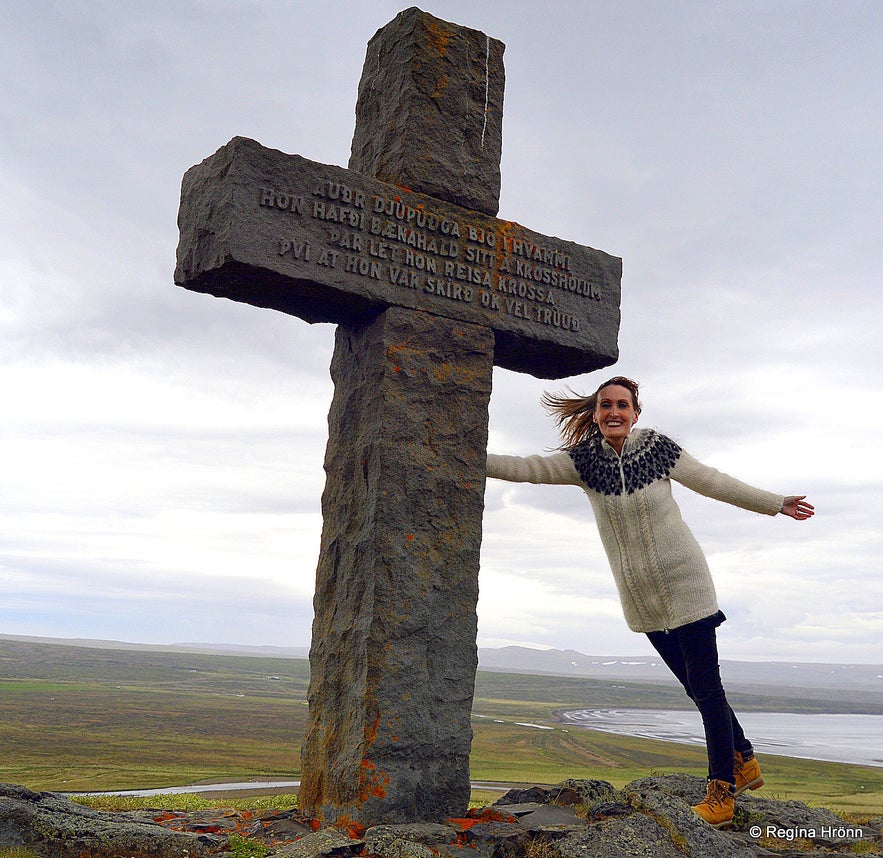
(622, 481)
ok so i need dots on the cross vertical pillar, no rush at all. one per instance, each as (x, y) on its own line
(394, 652)
(394, 656)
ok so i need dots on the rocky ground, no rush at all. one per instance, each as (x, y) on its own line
(575, 819)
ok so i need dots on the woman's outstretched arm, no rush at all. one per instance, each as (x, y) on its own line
(556, 469)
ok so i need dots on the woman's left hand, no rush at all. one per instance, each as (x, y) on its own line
(797, 507)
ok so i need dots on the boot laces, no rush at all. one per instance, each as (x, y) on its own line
(718, 792)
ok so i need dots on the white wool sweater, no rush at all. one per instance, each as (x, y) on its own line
(660, 570)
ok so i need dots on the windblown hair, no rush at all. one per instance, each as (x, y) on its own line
(574, 415)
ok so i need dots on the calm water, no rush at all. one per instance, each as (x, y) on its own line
(835, 738)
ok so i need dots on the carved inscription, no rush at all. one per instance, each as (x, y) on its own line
(410, 247)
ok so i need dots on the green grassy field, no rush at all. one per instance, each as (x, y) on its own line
(80, 719)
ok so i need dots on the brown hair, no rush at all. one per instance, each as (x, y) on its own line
(574, 415)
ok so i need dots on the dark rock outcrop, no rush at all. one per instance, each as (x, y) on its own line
(648, 818)
(53, 826)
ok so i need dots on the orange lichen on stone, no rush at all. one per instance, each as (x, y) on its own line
(166, 816)
(439, 36)
(505, 229)
(371, 730)
(373, 782)
(355, 830)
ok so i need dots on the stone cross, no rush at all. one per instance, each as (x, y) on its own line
(429, 290)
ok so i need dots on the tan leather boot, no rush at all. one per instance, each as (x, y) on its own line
(717, 807)
(747, 773)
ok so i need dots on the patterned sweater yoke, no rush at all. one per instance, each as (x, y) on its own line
(649, 457)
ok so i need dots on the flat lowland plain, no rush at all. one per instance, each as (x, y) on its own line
(77, 718)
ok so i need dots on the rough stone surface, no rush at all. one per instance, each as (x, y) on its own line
(495, 836)
(668, 796)
(551, 818)
(581, 791)
(519, 809)
(394, 637)
(636, 836)
(675, 814)
(570, 791)
(277, 826)
(523, 795)
(53, 826)
(327, 843)
(412, 840)
(796, 814)
(330, 245)
(430, 111)
(394, 846)
(649, 817)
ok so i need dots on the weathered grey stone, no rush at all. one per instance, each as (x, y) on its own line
(430, 111)
(581, 791)
(636, 836)
(416, 838)
(326, 843)
(674, 812)
(394, 638)
(820, 825)
(254, 227)
(549, 818)
(497, 838)
(605, 809)
(517, 810)
(453, 850)
(391, 845)
(278, 827)
(690, 788)
(429, 833)
(525, 795)
(51, 825)
(654, 824)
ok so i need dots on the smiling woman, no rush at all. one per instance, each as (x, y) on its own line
(663, 579)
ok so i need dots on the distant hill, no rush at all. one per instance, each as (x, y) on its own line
(215, 649)
(746, 675)
(818, 681)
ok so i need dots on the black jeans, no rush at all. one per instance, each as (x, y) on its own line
(691, 654)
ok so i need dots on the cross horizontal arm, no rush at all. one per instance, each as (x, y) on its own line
(332, 245)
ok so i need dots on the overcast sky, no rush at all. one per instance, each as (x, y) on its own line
(161, 450)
